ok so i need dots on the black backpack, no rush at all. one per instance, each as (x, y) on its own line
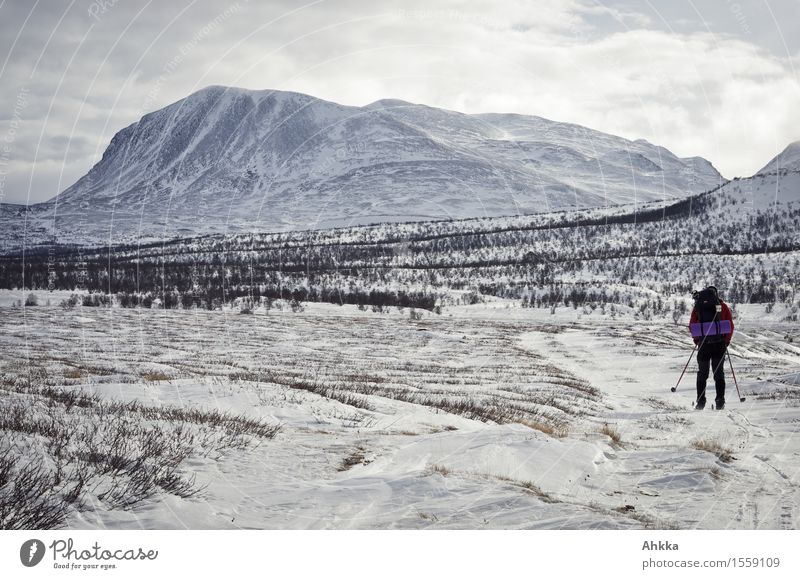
(708, 309)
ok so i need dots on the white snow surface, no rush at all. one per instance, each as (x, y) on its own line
(414, 465)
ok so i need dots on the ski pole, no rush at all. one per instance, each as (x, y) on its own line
(741, 398)
(674, 388)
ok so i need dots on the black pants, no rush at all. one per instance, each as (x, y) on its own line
(711, 356)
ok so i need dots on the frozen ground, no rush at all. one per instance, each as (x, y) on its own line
(478, 418)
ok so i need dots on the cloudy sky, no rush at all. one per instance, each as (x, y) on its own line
(715, 78)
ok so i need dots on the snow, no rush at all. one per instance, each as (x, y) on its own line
(415, 465)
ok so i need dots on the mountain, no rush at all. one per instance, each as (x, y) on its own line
(228, 159)
(773, 189)
(787, 160)
(740, 236)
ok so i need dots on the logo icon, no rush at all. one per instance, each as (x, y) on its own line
(31, 553)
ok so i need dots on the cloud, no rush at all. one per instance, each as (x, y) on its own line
(613, 66)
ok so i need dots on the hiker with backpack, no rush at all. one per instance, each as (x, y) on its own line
(711, 326)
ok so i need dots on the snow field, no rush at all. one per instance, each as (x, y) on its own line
(484, 418)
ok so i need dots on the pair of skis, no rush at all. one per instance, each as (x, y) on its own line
(728, 354)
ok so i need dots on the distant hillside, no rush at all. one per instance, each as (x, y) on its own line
(742, 237)
(787, 161)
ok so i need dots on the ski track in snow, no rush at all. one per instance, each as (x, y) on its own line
(748, 492)
(413, 458)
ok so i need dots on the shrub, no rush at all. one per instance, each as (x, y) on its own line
(25, 498)
(70, 302)
(121, 453)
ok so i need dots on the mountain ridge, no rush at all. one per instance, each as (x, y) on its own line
(786, 160)
(230, 159)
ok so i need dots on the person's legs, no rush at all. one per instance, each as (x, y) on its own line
(718, 364)
(703, 366)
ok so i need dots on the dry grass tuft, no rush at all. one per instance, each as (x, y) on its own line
(155, 376)
(526, 486)
(721, 452)
(612, 433)
(358, 456)
(439, 469)
(74, 373)
(555, 431)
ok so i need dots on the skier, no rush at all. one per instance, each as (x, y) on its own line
(711, 326)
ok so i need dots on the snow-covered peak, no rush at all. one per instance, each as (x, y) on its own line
(787, 160)
(389, 103)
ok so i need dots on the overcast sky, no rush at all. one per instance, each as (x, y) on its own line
(715, 78)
